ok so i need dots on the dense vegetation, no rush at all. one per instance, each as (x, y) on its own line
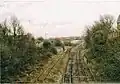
(104, 49)
(19, 52)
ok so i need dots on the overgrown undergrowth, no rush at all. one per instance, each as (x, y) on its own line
(19, 53)
(103, 53)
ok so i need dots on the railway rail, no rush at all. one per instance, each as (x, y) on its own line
(45, 73)
(77, 70)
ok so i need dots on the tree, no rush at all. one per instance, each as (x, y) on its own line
(87, 38)
(107, 21)
(20, 30)
(58, 42)
(40, 39)
(46, 44)
(15, 24)
(103, 49)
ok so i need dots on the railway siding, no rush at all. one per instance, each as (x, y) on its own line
(77, 70)
(53, 71)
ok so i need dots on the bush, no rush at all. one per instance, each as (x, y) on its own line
(49, 54)
(53, 50)
(58, 42)
(18, 51)
(103, 50)
(68, 43)
(46, 44)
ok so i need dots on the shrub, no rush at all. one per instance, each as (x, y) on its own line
(53, 50)
(58, 42)
(68, 43)
(46, 44)
(103, 50)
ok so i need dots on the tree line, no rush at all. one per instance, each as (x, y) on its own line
(104, 49)
(18, 50)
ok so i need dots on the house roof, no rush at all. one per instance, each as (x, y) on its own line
(118, 20)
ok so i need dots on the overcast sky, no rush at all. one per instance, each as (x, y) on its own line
(58, 17)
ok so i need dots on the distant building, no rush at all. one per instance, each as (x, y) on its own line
(118, 22)
(75, 41)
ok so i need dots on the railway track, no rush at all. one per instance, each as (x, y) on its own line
(45, 73)
(77, 70)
